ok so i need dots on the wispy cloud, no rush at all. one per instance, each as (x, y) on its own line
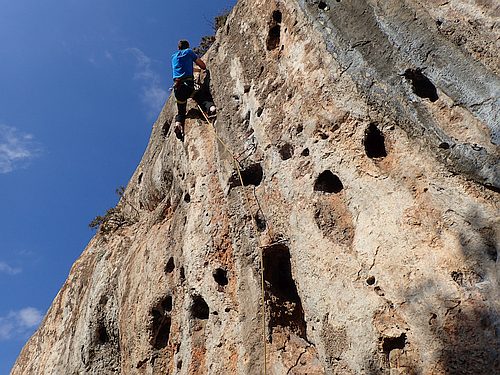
(153, 94)
(100, 58)
(19, 323)
(5, 268)
(16, 148)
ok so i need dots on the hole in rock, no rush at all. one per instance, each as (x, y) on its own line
(421, 85)
(370, 280)
(327, 182)
(305, 152)
(432, 318)
(139, 179)
(220, 276)
(259, 111)
(199, 308)
(300, 129)
(102, 333)
(457, 277)
(286, 151)
(187, 198)
(285, 307)
(277, 16)
(163, 331)
(195, 113)
(246, 89)
(260, 222)
(444, 145)
(492, 253)
(160, 327)
(391, 343)
(182, 274)
(169, 267)
(323, 135)
(322, 5)
(179, 364)
(141, 363)
(166, 304)
(374, 142)
(273, 38)
(251, 175)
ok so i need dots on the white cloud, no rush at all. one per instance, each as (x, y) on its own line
(153, 94)
(98, 59)
(29, 317)
(19, 323)
(16, 148)
(6, 328)
(5, 268)
(154, 97)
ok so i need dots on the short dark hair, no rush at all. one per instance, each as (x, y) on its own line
(183, 44)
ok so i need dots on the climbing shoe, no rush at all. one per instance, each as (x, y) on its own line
(179, 130)
(212, 113)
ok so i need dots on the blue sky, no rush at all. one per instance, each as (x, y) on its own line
(81, 82)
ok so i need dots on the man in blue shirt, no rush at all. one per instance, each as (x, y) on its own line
(182, 68)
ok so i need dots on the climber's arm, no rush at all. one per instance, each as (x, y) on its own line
(200, 63)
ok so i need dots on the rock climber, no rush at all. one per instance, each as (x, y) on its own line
(184, 88)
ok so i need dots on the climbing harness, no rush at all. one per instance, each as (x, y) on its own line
(238, 169)
(182, 81)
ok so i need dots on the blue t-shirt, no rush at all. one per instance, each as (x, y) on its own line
(182, 63)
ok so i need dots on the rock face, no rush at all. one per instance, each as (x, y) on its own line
(367, 133)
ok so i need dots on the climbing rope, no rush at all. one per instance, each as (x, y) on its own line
(238, 169)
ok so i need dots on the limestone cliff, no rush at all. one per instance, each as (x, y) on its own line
(367, 132)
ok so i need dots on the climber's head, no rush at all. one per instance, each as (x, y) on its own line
(183, 44)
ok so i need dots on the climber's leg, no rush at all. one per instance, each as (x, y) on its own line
(204, 99)
(182, 91)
